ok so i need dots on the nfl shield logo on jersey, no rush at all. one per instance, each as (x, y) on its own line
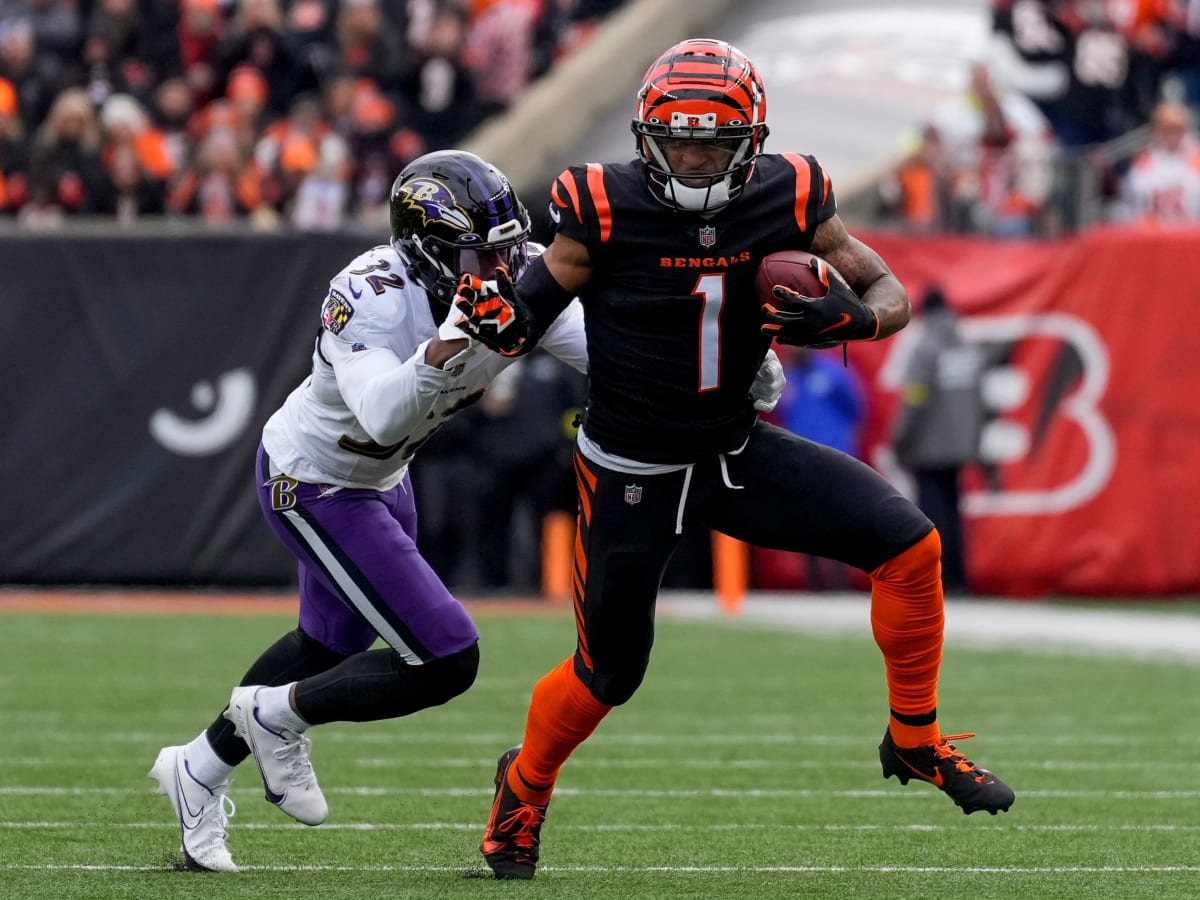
(708, 236)
(633, 494)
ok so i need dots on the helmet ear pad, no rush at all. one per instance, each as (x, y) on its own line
(425, 269)
(449, 210)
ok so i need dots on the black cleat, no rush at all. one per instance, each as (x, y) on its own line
(971, 787)
(511, 839)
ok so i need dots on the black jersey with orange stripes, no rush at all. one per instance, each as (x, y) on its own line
(671, 312)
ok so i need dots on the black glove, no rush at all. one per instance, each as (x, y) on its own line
(494, 315)
(818, 322)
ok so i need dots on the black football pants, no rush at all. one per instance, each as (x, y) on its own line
(780, 491)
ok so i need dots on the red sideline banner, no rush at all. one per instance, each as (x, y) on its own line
(1091, 479)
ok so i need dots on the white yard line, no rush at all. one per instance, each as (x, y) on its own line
(622, 826)
(658, 739)
(1144, 764)
(667, 870)
(679, 794)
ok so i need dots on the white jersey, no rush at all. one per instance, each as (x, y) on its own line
(1164, 186)
(371, 401)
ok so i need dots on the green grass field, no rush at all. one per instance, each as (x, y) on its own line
(745, 768)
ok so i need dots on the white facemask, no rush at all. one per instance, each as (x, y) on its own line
(700, 199)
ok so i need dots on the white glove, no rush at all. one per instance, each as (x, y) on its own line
(449, 331)
(768, 383)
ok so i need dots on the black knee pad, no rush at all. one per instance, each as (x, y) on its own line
(612, 682)
(614, 690)
(448, 676)
(379, 684)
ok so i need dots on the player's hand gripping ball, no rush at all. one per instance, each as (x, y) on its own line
(806, 303)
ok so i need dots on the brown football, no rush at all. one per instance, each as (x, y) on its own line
(792, 269)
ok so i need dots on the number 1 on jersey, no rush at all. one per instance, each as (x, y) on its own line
(711, 290)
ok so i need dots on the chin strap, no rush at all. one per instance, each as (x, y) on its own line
(709, 199)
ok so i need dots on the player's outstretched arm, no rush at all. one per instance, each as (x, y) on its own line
(568, 262)
(439, 352)
(545, 283)
(865, 272)
(509, 318)
(449, 346)
(493, 313)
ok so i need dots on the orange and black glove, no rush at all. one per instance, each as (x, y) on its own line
(826, 321)
(494, 315)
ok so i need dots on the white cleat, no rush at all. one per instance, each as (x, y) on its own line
(203, 811)
(282, 757)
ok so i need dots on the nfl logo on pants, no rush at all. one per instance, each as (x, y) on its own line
(633, 494)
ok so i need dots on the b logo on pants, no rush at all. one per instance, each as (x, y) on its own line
(283, 492)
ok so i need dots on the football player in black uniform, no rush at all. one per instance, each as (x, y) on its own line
(663, 253)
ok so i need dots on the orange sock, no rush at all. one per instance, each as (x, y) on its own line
(561, 716)
(907, 618)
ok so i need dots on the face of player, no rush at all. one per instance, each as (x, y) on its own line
(484, 263)
(697, 157)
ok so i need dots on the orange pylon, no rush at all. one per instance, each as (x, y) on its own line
(731, 571)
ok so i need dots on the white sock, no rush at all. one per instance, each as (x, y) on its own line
(275, 708)
(203, 762)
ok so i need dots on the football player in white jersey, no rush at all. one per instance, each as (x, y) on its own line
(389, 367)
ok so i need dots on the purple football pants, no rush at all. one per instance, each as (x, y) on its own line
(361, 576)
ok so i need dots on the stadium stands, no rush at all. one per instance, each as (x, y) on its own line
(264, 110)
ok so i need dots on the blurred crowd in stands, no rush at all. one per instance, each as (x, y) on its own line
(302, 111)
(1083, 112)
(296, 111)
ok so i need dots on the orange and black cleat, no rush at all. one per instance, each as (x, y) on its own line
(971, 787)
(511, 839)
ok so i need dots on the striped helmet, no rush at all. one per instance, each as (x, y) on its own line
(708, 91)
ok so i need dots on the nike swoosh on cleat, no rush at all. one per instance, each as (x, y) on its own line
(936, 778)
(270, 794)
(845, 320)
(491, 819)
(184, 805)
(249, 739)
(487, 845)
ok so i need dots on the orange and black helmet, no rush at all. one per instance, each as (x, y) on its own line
(701, 90)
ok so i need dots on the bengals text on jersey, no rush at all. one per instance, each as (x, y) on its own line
(671, 315)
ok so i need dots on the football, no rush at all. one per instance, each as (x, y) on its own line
(792, 269)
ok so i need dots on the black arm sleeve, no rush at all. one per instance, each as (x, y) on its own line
(544, 297)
